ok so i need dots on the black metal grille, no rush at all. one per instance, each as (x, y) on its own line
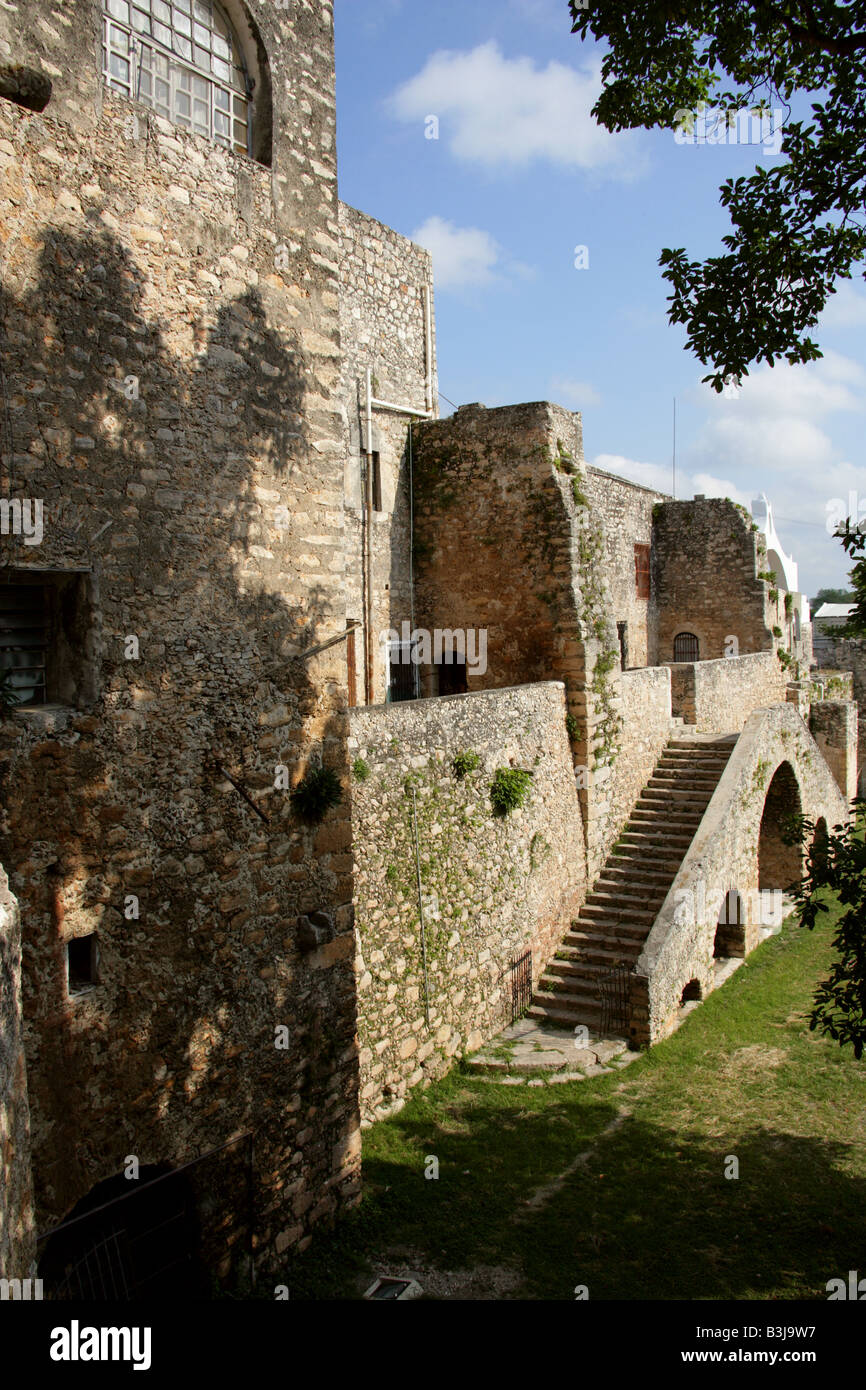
(685, 647)
(521, 985)
(614, 990)
(186, 1233)
(403, 683)
(24, 639)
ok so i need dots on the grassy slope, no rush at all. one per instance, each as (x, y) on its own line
(649, 1214)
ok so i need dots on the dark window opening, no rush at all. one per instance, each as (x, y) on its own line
(46, 637)
(691, 992)
(25, 86)
(82, 959)
(686, 647)
(402, 672)
(451, 677)
(642, 570)
(730, 933)
(622, 634)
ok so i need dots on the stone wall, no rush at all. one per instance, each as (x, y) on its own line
(775, 764)
(849, 654)
(507, 542)
(705, 564)
(382, 327)
(493, 886)
(834, 728)
(16, 1215)
(627, 512)
(719, 696)
(172, 358)
(645, 710)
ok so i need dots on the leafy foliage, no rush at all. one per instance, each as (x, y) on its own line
(853, 539)
(463, 763)
(316, 794)
(836, 861)
(797, 226)
(509, 789)
(361, 769)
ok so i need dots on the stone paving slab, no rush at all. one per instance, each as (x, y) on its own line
(532, 1049)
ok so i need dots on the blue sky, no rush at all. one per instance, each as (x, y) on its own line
(519, 177)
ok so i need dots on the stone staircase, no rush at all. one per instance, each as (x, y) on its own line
(618, 914)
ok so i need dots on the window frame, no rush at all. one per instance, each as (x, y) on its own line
(642, 570)
(236, 89)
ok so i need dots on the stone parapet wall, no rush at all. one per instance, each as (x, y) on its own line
(724, 856)
(719, 696)
(626, 510)
(493, 886)
(834, 727)
(644, 705)
(849, 654)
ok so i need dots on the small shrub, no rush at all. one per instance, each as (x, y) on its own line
(573, 727)
(777, 631)
(316, 794)
(362, 769)
(509, 788)
(577, 494)
(463, 763)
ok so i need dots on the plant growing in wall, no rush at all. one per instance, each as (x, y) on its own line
(464, 763)
(509, 789)
(361, 769)
(316, 794)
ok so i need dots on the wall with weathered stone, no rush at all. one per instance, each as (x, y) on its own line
(205, 508)
(833, 724)
(724, 855)
(382, 327)
(507, 541)
(16, 1213)
(849, 654)
(644, 706)
(627, 512)
(719, 696)
(493, 886)
(705, 562)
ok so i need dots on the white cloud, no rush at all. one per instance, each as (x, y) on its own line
(660, 477)
(461, 255)
(846, 308)
(505, 112)
(577, 395)
(466, 256)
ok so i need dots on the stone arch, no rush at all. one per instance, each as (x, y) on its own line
(127, 1238)
(730, 938)
(820, 844)
(692, 992)
(779, 863)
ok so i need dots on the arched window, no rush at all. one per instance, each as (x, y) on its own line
(685, 647)
(183, 60)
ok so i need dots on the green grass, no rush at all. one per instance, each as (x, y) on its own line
(649, 1214)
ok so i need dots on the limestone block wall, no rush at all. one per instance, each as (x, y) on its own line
(849, 654)
(719, 696)
(16, 1212)
(382, 326)
(507, 541)
(493, 887)
(645, 709)
(627, 512)
(172, 357)
(726, 854)
(834, 727)
(705, 564)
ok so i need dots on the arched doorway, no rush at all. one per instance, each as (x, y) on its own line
(129, 1238)
(779, 863)
(730, 939)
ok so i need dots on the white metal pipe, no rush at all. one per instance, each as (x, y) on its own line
(400, 409)
(428, 350)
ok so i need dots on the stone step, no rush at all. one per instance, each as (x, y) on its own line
(621, 897)
(595, 957)
(607, 926)
(570, 1013)
(614, 912)
(640, 839)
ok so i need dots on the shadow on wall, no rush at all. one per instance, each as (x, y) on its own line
(150, 1063)
(779, 863)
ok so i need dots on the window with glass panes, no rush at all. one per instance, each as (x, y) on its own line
(183, 60)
